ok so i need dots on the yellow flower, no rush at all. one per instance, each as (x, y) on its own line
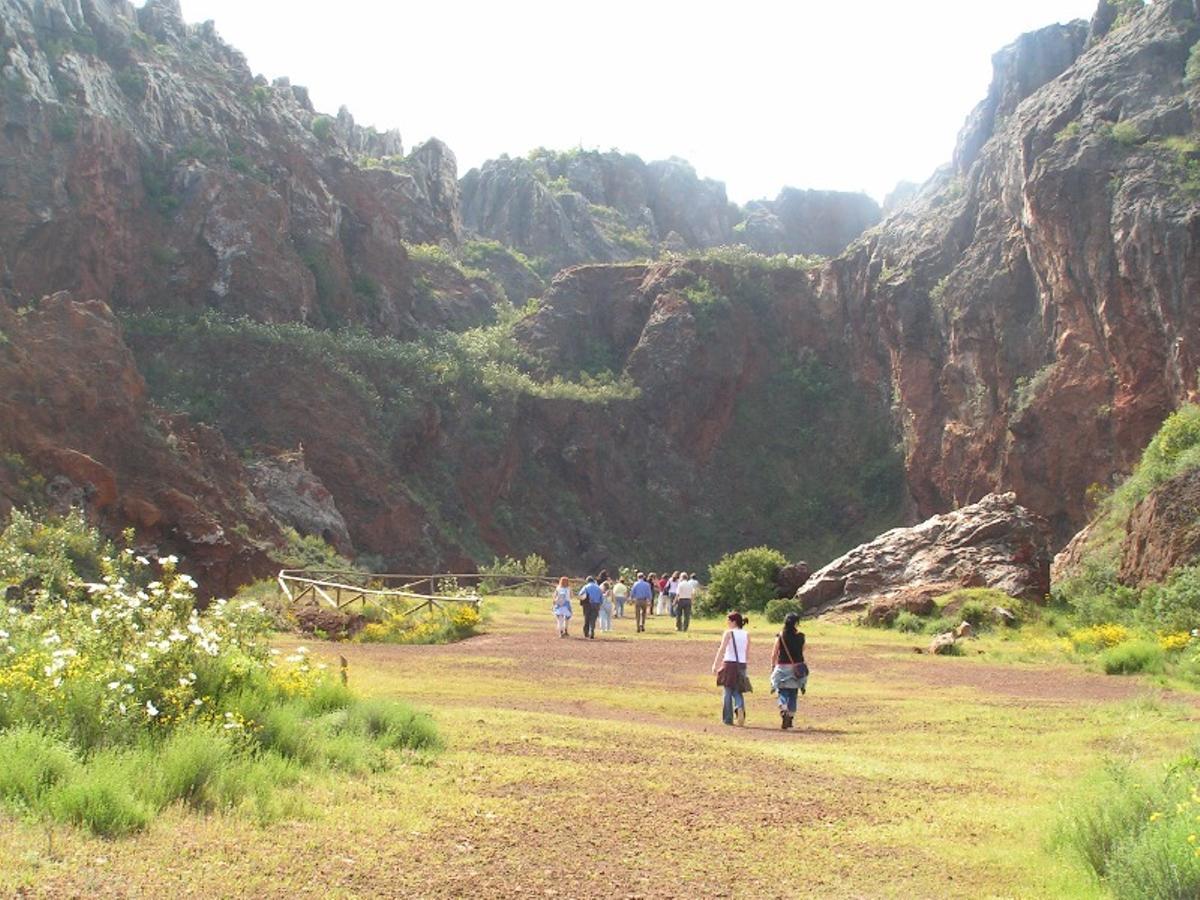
(1155, 816)
(1191, 839)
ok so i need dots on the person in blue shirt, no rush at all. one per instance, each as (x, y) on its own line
(593, 598)
(641, 594)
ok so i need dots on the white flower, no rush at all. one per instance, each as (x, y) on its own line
(142, 561)
(3, 635)
(151, 710)
(197, 702)
(121, 707)
(95, 614)
(127, 551)
(113, 685)
(94, 588)
(168, 560)
(128, 667)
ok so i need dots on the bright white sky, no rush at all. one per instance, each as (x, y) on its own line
(847, 95)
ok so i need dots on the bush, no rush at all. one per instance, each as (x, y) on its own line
(909, 623)
(1138, 836)
(322, 127)
(1099, 637)
(1132, 657)
(119, 701)
(744, 580)
(31, 763)
(941, 625)
(977, 613)
(778, 609)
(435, 627)
(1174, 606)
(101, 797)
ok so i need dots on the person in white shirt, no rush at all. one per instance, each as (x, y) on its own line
(685, 594)
(730, 668)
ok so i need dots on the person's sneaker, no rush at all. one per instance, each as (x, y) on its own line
(740, 715)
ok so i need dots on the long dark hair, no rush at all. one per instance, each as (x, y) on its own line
(789, 625)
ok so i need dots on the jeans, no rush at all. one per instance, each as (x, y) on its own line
(787, 698)
(606, 617)
(683, 614)
(620, 601)
(590, 612)
(640, 608)
(733, 700)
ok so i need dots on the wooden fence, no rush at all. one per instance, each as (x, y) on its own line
(343, 588)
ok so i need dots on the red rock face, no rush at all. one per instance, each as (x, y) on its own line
(1162, 532)
(73, 407)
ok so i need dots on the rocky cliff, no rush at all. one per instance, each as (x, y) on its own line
(311, 329)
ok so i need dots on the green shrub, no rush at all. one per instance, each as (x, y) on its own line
(909, 623)
(189, 767)
(31, 763)
(744, 580)
(1174, 606)
(1136, 835)
(978, 613)
(1132, 657)
(941, 625)
(393, 725)
(322, 128)
(1191, 71)
(101, 797)
(778, 609)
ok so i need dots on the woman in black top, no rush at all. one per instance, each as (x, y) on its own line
(789, 673)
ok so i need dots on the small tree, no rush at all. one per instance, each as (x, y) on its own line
(744, 580)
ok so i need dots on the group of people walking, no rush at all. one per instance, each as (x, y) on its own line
(602, 599)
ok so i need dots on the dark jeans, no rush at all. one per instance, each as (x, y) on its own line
(683, 614)
(591, 612)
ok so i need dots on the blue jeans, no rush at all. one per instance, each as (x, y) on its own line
(606, 617)
(733, 700)
(787, 698)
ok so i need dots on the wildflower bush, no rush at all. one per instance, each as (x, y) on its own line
(1139, 835)
(119, 696)
(1099, 637)
(435, 628)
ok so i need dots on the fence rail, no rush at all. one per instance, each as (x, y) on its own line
(340, 589)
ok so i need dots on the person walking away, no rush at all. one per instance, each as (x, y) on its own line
(663, 584)
(606, 606)
(620, 593)
(562, 606)
(730, 666)
(673, 591)
(593, 599)
(789, 672)
(642, 594)
(685, 593)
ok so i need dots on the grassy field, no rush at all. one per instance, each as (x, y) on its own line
(601, 769)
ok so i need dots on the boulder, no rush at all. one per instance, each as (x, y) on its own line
(994, 543)
(791, 578)
(942, 644)
(963, 630)
(1004, 616)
